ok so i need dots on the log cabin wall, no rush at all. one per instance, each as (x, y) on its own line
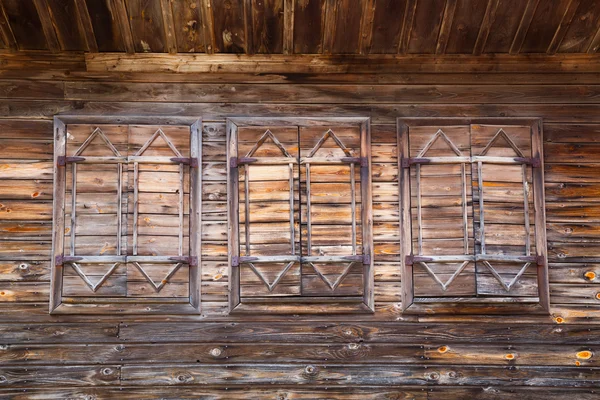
(454, 354)
(439, 61)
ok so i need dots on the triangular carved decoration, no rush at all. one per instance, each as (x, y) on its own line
(163, 282)
(506, 286)
(440, 134)
(270, 285)
(498, 136)
(268, 135)
(94, 286)
(327, 135)
(159, 132)
(333, 285)
(438, 280)
(97, 133)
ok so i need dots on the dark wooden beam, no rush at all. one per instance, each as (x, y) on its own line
(6, 31)
(407, 24)
(47, 25)
(519, 38)
(446, 26)
(86, 26)
(486, 26)
(206, 13)
(169, 24)
(563, 27)
(288, 26)
(123, 22)
(366, 27)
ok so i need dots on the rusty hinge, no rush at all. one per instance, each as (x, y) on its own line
(536, 162)
(366, 259)
(409, 260)
(233, 162)
(61, 161)
(406, 162)
(192, 162)
(193, 261)
(540, 260)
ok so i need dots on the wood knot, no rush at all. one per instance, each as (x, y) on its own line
(3, 379)
(353, 346)
(442, 349)
(184, 378)
(434, 376)
(106, 371)
(281, 396)
(3, 347)
(590, 275)
(559, 320)
(597, 296)
(120, 348)
(584, 355)
(310, 370)
(510, 356)
(216, 352)
(23, 266)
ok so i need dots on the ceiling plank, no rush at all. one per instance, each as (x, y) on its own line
(288, 26)
(208, 22)
(486, 26)
(329, 25)
(309, 17)
(47, 25)
(519, 38)
(446, 26)
(169, 26)
(123, 22)
(6, 31)
(563, 27)
(407, 24)
(366, 27)
(189, 31)
(229, 26)
(249, 27)
(86, 26)
(595, 43)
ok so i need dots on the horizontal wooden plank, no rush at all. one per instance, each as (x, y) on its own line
(317, 374)
(101, 62)
(60, 375)
(328, 94)
(393, 332)
(58, 332)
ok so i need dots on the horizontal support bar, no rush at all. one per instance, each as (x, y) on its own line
(236, 261)
(342, 160)
(60, 260)
(535, 162)
(412, 259)
(407, 162)
(193, 162)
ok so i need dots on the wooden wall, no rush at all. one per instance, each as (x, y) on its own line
(386, 355)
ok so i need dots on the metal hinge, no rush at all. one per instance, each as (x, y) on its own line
(366, 259)
(409, 260)
(406, 162)
(59, 260)
(235, 261)
(540, 260)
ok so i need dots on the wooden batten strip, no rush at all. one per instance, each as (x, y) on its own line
(206, 13)
(486, 26)
(169, 24)
(519, 38)
(446, 26)
(329, 25)
(86, 26)
(6, 31)
(288, 26)
(366, 27)
(595, 43)
(249, 27)
(123, 21)
(407, 25)
(47, 25)
(563, 27)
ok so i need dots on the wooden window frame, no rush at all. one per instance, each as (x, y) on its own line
(300, 304)
(60, 304)
(466, 305)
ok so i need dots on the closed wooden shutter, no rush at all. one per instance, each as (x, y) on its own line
(472, 213)
(298, 221)
(131, 202)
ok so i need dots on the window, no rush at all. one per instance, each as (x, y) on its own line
(300, 215)
(472, 214)
(126, 214)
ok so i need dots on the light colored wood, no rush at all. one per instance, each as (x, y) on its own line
(58, 215)
(169, 26)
